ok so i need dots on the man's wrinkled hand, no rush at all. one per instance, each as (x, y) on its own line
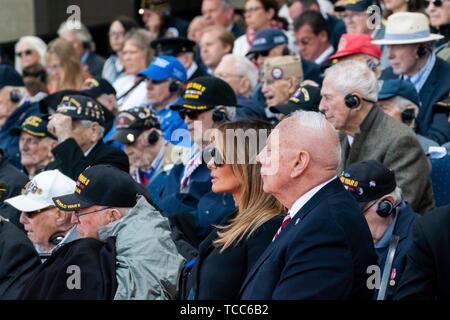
(60, 125)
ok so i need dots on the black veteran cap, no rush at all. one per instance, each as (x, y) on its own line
(102, 185)
(131, 123)
(99, 87)
(35, 126)
(81, 108)
(172, 46)
(368, 180)
(306, 98)
(205, 93)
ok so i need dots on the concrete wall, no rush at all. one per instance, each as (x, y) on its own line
(16, 19)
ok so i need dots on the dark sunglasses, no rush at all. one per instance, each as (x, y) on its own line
(262, 53)
(193, 115)
(32, 214)
(24, 53)
(436, 3)
(156, 82)
(217, 158)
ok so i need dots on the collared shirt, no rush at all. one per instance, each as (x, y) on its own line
(324, 55)
(85, 57)
(192, 69)
(350, 140)
(90, 149)
(419, 79)
(298, 205)
(386, 238)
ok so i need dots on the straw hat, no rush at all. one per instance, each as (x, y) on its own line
(407, 28)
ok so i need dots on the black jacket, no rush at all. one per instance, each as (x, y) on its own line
(428, 262)
(234, 263)
(18, 261)
(11, 183)
(70, 159)
(96, 261)
(95, 64)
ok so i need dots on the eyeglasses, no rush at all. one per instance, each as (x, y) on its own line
(251, 10)
(25, 53)
(32, 214)
(78, 215)
(193, 115)
(262, 53)
(116, 34)
(436, 3)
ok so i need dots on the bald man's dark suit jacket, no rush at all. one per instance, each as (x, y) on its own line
(323, 253)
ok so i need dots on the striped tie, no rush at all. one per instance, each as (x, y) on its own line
(285, 222)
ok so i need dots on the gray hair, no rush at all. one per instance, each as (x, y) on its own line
(398, 195)
(354, 76)
(88, 123)
(34, 43)
(142, 38)
(318, 123)
(82, 33)
(244, 68)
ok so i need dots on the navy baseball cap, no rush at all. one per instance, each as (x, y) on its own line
(368, 180)
(163, 68)
(9, 77)
(306, 98)
(397, 87)
(268, 39)
(34, 125)
(354, 5)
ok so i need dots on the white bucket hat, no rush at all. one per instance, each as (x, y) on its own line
(38, 193)
(407, 28)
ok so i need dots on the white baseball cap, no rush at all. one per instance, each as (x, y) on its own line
(38, 193)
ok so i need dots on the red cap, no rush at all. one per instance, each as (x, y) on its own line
(354, 43)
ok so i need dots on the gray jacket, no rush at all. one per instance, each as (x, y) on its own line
(147, 263)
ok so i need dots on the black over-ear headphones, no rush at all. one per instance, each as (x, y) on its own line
(219, 116)
(56, 239)
(352, 101)
(421, 51)
(408, 115)
(153, 137)
(385, 208)
(15, 96)
(174, 86)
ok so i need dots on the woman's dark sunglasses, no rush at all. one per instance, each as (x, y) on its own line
(217, 158)
(24, 53)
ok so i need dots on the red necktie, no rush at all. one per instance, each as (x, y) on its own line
(283, 225)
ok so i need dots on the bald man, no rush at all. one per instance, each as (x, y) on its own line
(324, 247)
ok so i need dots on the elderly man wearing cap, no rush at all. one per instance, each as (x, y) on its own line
(355, 14)
(306, 98)
(186, 190)
(349, 95)
(166, 78)
(15, 107)
(149, 153)
(410, 53)
(389, 217)
(357, 46)
(78, 125)
(110, 211)
(399, 99)
(35, 144)
(158, 19)
(46, 226)
(183, 50)
(281, 78)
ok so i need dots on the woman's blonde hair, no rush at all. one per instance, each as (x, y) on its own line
(255, 207)
(71, 71)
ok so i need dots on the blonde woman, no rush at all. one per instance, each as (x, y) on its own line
(229, 252)
(63, 67)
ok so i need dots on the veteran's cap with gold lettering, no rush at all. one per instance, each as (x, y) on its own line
(102, 185)
(38, 193)
(206, 93)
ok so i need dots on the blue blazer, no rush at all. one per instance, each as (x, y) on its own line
(323, 253)
(430, 123)
(207, 207)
